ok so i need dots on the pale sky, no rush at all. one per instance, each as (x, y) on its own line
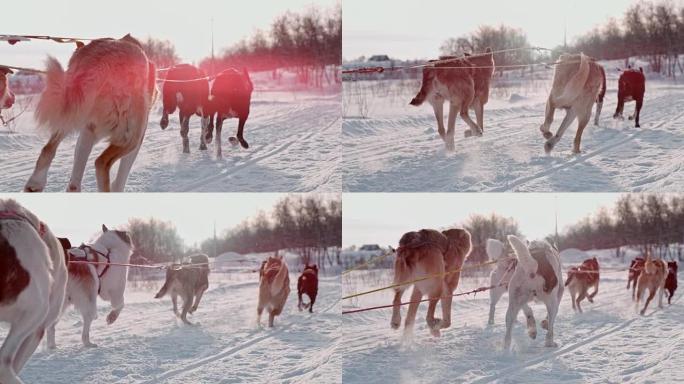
(186, 23)
(381, 218)
(416, 29)
(80, 216)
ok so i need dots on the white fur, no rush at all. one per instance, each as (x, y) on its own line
(526, 285)
(111, 286)
(38, 306)
(500, 276)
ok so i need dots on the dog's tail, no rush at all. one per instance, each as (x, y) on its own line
(495, 249)
(571, 275)
(165, 287)
(425, 88)
(576, 84)
(60, 106)
(279, 279)
(602, 91)
(525, 259)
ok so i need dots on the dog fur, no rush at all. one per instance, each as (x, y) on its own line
(274, 288)
(577, 83)
(6, 96)
(106, 93)
(85, 284)
(308, 284)
(190, 97)
(635, 268)
(652, 277)
(537, 276)
(231, 96)
(631, 87)
(465, 84)
(33, 279)
(580, 279)
(501, 275)
(189, 281)
(671, 280)
(429, 253)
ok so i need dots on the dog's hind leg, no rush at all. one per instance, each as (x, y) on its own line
(260, 310)
(479, 114)
(591, 296)
(127, 161)
(570, 115)
(311, 304)
(637, 112)
(599, 107)
(474, 128)
(582, 120)
(494, 297)
(580, 297)
(432, 322)
(661, 292)
(219, 127)
(84, 145)
(187, 303)
(174, 301)
(545, 128)
(572, 297)
(531, 323)
(240, 132)
(195, 304)
(88, 317)
(416, 295)
(38, 179)
(552, 311)
(396, 307)
(103, 165)
(451, 127)
(511, 315)
(10, 352)
(651, 295)
(204, 136)
(438, 108)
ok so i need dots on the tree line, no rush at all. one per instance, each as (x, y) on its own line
(310, 226)
(649, 222)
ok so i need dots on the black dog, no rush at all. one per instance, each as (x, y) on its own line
(631, 87)
(671, 281)
(308, 283)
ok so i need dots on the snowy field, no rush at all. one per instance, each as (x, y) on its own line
(608, 343)
(390, 145)
(147, 344)
(293, 136)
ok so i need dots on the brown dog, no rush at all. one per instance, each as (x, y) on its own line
(189, 281)
(274, 287)
(652, 278)
(635, 269)
(580, 279)
(464, 83)
(308, 284)
(434, 254)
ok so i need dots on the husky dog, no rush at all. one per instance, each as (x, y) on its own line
(87, 281)
(653, 278)
(577, 84)
(33, 280)
(433, 254)
(464, 82)
(580, 279)
(671, 280)
(231, 96)
(189, 280)
(274, 287)
(6, 95)
(187, 88)
(106, 93)
(501, 275)
(635, 268)
(308, 284)
(631, 87)
(537, 276)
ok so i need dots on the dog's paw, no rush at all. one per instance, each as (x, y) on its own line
(203, 147)
(435, 333)
(112, 317)
(551, 344)
(591, 300)
(532, 333)
(90, 345)
(233, 141)
(33, 187)
(467, 133)
(547, 134)
(395, 324)
(434, 323)
(164, 122)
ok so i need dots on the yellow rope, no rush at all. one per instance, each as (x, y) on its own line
(425, 278)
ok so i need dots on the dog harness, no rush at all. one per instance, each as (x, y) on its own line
(89, 250)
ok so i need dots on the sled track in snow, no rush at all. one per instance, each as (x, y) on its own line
(582, 157)
(511, 371)
(191, 367)
(258, 157)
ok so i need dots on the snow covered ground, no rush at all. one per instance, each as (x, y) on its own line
(293, 135)
(608, 343)
(147, 344)
(392, 146)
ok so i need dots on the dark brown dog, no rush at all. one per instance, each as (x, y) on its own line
(671, 281)
(631, 87)
(308, 284)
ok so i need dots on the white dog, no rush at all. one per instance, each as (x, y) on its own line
(537, 277)
(33, 278)
(86, 281)
(106, 93)
(500, 276)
